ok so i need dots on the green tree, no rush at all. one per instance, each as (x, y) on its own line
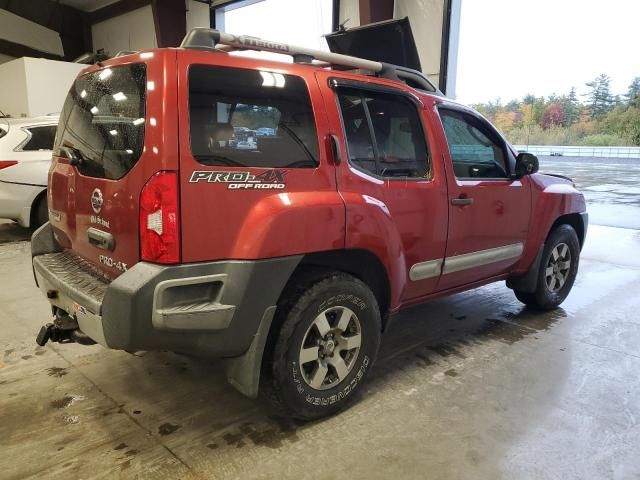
(633, 94)
(513, 106)
(600, 100)
(571, 107)
(624, 123)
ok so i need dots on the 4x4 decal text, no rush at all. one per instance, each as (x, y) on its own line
(271, 179)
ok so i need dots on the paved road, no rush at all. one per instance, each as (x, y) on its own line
(473, 386)
(611, 186)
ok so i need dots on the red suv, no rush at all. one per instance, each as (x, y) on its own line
(288, 253)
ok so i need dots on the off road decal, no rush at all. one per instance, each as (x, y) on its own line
(271, 179)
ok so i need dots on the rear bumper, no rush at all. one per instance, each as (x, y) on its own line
(16, 200)
(208, 309)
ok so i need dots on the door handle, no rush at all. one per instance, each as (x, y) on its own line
(100, 239)
(461, 201)
(333, 148)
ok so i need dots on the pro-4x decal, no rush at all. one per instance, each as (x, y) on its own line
(271, 179)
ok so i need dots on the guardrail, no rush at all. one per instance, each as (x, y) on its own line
(581, 151)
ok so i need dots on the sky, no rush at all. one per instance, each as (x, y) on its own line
(509, 48)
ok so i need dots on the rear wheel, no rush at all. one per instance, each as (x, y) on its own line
(557, 271)
(40, 215)
(327, 342)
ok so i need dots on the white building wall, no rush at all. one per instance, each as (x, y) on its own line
(350, 10)
(134, 30)
(426, 23)
(5, 58)
(48, 82)
(35, 86)
(13, 94)
(197, 15)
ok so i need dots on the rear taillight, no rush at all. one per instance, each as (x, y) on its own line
(7, 163)
(160, 219)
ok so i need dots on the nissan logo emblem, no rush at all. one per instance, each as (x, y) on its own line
(96, 200)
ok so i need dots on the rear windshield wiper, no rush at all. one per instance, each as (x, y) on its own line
(75, 156)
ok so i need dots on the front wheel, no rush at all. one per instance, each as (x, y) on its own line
(558, 270)
(326, 344)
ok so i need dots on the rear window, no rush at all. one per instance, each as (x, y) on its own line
(250, 118)
(102, 122)
(41, 138)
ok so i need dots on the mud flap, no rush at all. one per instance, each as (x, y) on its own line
(244, 372)
(529, 281)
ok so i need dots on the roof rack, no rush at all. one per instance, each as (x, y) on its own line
(209, 39)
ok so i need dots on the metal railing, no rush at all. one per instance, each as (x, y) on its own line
(581, 151)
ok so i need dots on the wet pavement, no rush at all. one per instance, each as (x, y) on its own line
(473, 386)
(610, 185)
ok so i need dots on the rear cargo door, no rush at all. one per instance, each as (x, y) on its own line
(255, 179)
(109, 143)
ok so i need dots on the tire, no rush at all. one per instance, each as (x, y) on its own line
(314, 363)
(555, 282)
(40, 215)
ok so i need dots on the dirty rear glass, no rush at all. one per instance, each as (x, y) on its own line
(250, 118)
(102, 123)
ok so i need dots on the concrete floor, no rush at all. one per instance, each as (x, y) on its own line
(473, 386)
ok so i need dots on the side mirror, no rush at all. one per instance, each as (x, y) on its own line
(526, 164)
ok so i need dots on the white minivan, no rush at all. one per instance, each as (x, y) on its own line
(25, 157)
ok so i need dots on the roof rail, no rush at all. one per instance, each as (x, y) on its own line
(208, 39)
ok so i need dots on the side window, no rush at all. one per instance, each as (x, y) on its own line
(250, 118)
(474, 151)
(41, 138)
(384, 134)
(356, 129)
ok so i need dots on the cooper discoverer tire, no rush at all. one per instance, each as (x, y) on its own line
(557, 272)
(327, 342)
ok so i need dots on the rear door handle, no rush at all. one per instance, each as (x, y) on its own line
(461, 201)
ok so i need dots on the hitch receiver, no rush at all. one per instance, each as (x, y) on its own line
(45, 334)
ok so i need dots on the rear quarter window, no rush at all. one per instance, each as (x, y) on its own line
(40, 138)
(250, 118)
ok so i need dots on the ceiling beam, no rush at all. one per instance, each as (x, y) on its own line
(372, 11)
(72, 24)
(17, 50)
(170, 18)
(116, 9)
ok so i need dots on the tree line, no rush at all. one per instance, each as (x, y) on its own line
(600, 119)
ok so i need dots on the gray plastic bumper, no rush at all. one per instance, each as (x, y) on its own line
(207, 309)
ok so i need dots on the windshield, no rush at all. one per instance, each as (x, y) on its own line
(102, 122)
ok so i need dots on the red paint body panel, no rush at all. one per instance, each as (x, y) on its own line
(70, 192)
(331, 207)
(498, 216)
(218, 223)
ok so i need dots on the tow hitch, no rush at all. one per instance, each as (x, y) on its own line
(64, 329)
